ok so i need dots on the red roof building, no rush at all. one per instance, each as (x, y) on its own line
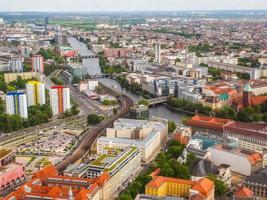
(243, 193)
(48, 184)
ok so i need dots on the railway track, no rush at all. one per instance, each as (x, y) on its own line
(93, 133)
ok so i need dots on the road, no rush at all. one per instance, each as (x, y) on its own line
(92, 134)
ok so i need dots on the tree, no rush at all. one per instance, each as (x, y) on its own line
(115, 111)
(171, 126)
(143, 102)
(226, 112)
(220, 187)
(76, 80)
(191, 158)
(243, 116)
(265, 117)
(93, 119)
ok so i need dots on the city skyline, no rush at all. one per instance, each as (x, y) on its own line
(131, 5)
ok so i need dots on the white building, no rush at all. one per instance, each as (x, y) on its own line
(38, 64)
(35, 93)
(59, 99)
(148, 136)
(241, 161)
(16, 65)
(16, 103)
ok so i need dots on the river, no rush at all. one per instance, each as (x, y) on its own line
(93, 68)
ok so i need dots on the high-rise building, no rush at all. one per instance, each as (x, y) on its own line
(38, 64)
(46, 22)
(157, 53)
(16, 103)
(16, 64)
(59, 99)
(35, 93)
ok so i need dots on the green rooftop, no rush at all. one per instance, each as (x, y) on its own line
(106, 160)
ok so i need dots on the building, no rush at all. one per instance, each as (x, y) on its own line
(120, 164)
(16, 65)
(243, 193)
(148, 136)
(35, 93)
(241, 161)
(88, 85)
(16, 103)
(116, 53)
(11, 173)
(248, 135)
(157, 50)
(48, 184)
(9, 77)
(38, 64)
(59, 99)
(139, 112)
(206, 124)
(258, 184)
(164, 186)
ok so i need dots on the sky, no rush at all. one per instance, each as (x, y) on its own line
(130, 5)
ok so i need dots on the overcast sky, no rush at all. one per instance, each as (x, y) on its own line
(129, 5)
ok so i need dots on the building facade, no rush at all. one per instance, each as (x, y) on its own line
(38, 64)
(148, 136)
(16, 103)
(35, 93)
(59, 99)
(16, 65)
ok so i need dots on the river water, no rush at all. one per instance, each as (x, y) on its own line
(93, 68)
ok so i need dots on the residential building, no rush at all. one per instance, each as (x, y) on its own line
(241, 161)
(16, 103)
(258, 184)
(148, 136)
(11, 173)
(35, 93)
(16, 64)
(38, 64)
(59, 99)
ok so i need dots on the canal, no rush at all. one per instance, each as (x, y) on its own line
(93, 68)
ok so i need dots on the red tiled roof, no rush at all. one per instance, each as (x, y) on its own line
(244, 192)
(258, 100)
(157, 181)
(204, 186)
(208, 122)
(248, 129)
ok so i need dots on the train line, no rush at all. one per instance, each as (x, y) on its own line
(95, 132)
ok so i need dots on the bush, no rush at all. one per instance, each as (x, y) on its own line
(93, 119)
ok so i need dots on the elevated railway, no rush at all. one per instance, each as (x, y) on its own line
(95, 132)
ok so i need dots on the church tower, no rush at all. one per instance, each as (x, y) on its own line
(247, 95)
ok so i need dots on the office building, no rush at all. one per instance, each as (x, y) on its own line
(258, 184)
(241, 161)
(38, 64)
(16, 65)
(46, 22)
(49, 184)
(120, 164)
(35, 93)
(139, 112)
(161, 186)
(59, 99)
(16, 103)
(148, 136)
(157, 50)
